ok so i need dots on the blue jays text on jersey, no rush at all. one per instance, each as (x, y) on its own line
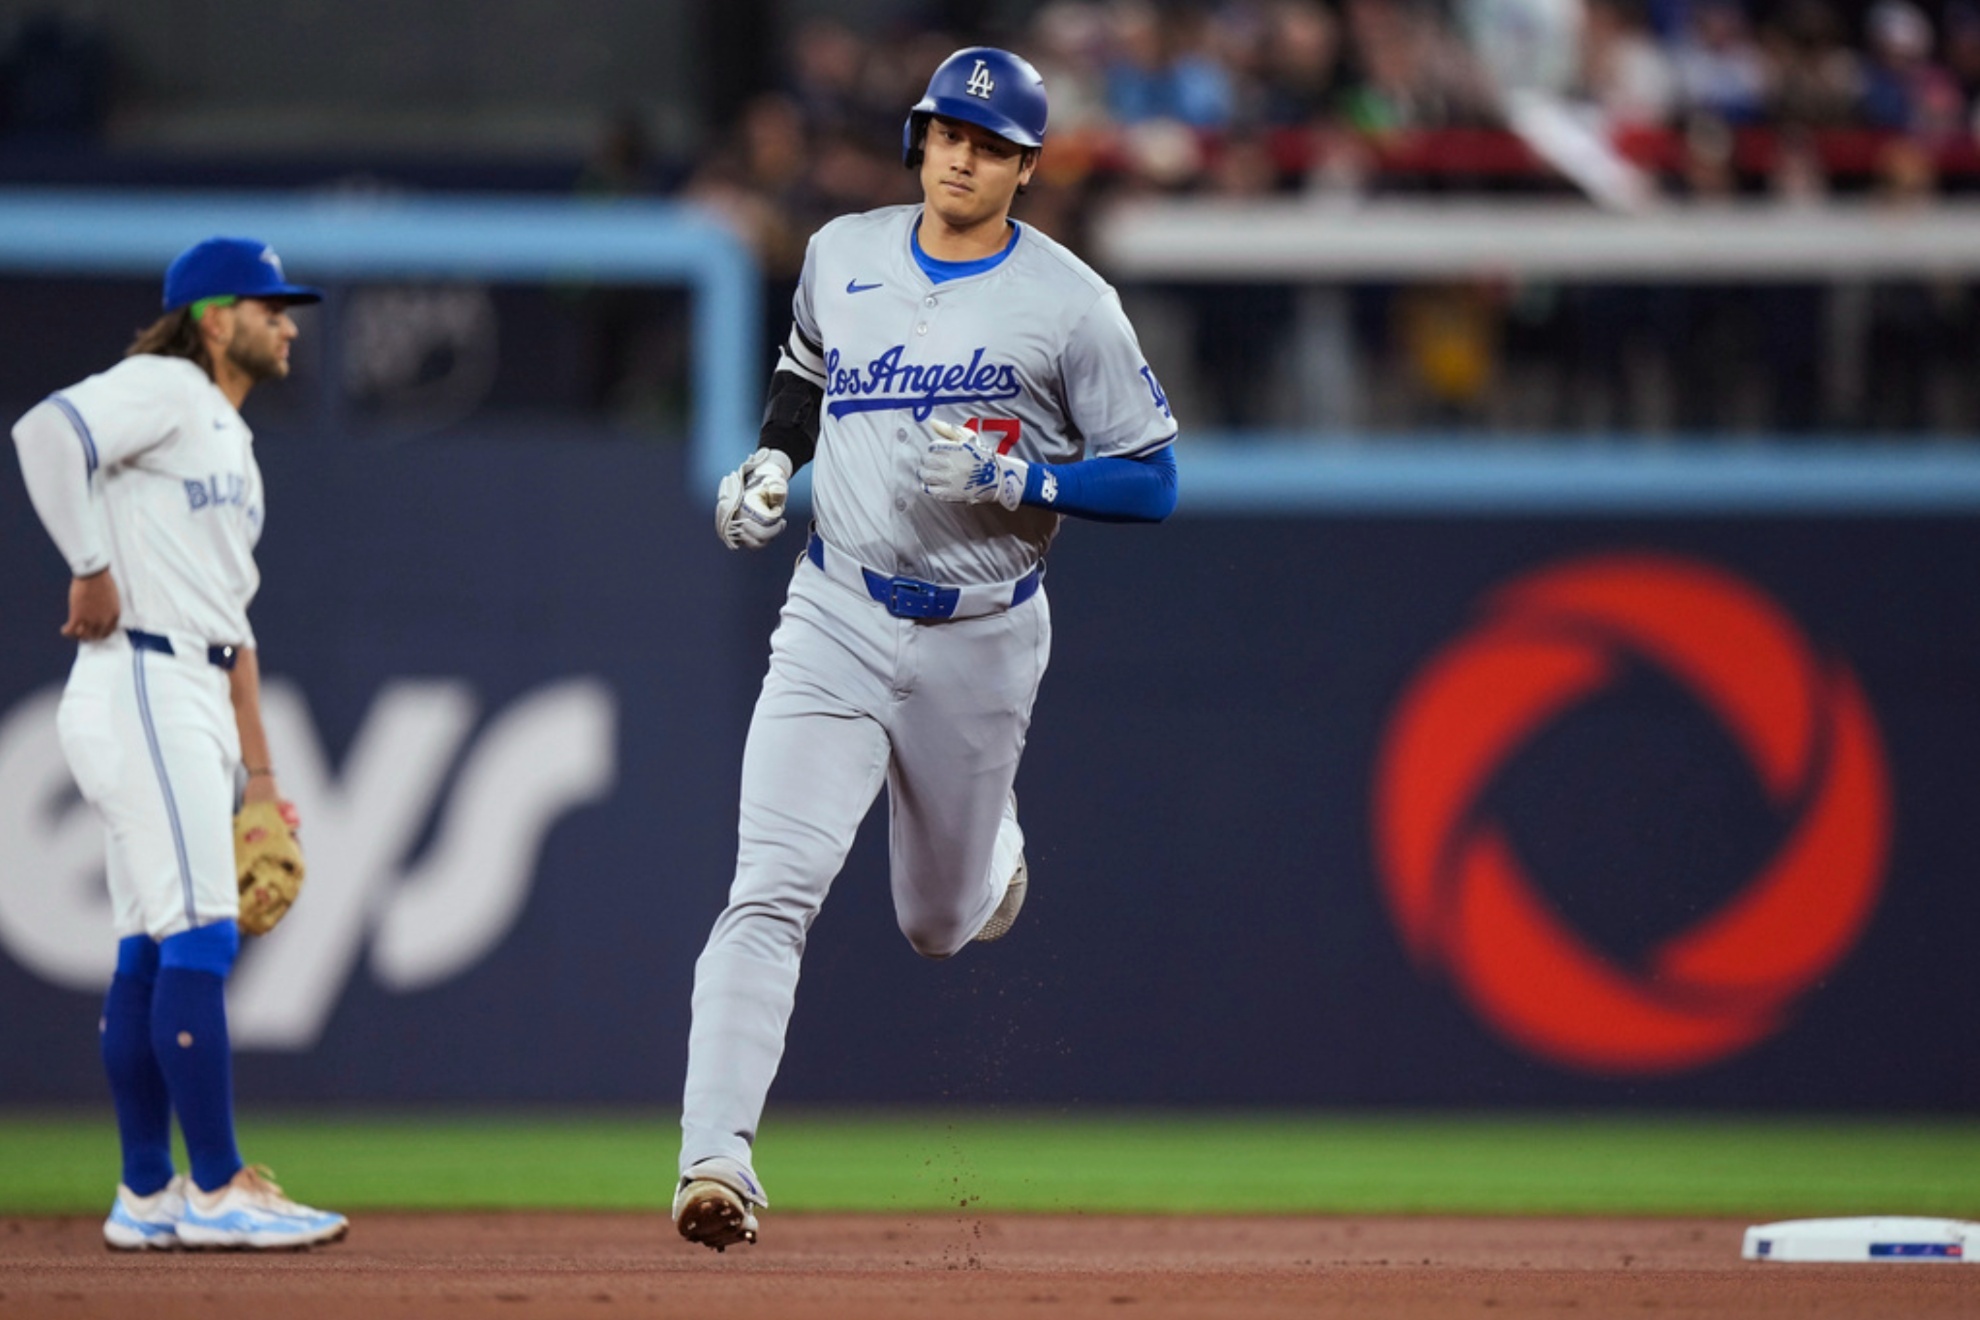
(220, 489)
(886, 383)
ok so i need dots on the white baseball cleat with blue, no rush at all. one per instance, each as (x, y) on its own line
(146, 1223)
(250, 1212)
(716, 1203)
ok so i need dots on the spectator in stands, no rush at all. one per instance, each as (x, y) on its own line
(1069, 39)
(827, 60)
(1299, 65)
(1625, 71)
(846, 172)
(1449, 334)
(1962, 49)
(893, 74)
(1719, 68)
(771, 150)
(1412, 71)
(1816, 80)
(775, 179)
(1903, 89)
(1164, 66)
(1250, 97)
(1069, 44)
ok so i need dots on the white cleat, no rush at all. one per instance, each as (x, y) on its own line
(716, 1203)
(1010, 839)
(146, 1223)
(1005, 916)
(251, 1213)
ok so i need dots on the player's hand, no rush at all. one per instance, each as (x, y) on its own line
(93, 607)
(964, 468)
(749, 504)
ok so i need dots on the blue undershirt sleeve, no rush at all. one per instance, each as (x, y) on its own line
(1141, 489)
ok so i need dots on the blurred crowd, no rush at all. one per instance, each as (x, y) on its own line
(1793, 100)
(1293, 95)
(1797, 99)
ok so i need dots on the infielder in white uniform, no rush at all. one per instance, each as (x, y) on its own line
(962, 381)
(144, 476)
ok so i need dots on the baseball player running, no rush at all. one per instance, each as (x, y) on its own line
(145, 478)
(963, 382)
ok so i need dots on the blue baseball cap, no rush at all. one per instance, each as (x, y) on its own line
(230, 268)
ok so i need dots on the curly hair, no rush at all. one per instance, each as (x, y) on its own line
(175, 334)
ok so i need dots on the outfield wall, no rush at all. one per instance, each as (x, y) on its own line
(1528, 800)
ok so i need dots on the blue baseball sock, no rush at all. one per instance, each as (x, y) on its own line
(137, 1088)
(189, 1036)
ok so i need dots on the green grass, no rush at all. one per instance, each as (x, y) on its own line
(1100, 1162)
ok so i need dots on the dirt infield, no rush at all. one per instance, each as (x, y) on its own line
(877, 1267)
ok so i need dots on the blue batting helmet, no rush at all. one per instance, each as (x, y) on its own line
(981, 85)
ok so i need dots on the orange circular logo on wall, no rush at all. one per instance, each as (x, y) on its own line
(1463, 899)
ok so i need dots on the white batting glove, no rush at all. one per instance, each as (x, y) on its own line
(749, 504)
(964, 468)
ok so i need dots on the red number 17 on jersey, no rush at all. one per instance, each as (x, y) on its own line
(1006, 428)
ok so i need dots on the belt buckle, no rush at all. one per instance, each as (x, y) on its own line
(911, 598)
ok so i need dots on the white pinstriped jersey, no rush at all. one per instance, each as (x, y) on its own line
(149, 464)
(1035, 352)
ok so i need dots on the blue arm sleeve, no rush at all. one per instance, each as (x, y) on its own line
(1107, 489)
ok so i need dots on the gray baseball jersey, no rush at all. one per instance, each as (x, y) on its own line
(1035, 350)
(865, 687)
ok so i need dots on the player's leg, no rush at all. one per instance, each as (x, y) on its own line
(171, 825)
(229, 1203)
(168, 803)
(957, 742)
(812, 765)
(189, 1036)
(137, 1087)
(149, 1200)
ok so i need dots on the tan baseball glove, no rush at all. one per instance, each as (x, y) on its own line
(268, 862)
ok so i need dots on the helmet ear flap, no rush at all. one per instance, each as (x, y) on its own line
(913, 134)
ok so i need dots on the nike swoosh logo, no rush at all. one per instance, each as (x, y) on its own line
(854, 286)
(219, 425)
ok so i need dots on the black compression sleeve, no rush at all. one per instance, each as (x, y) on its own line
(790, 417)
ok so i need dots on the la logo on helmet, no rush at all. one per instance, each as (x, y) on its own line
(980, 84)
